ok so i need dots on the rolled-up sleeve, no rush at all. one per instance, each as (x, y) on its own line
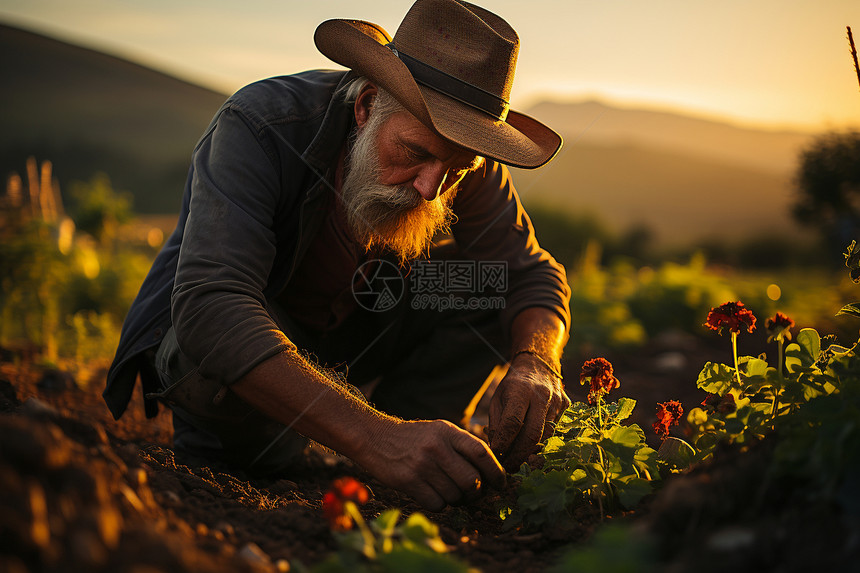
(492, 225)
(218, 308)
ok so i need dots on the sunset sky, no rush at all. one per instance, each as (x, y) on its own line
(774, 63)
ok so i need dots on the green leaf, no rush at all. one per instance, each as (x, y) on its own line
(546, 491)
(595, 471)
(852, 309)
(630, 493)
(625, 408)
(645, 461)
(423, 532)
(554, 444)
(406, 558)
(802, 355)
(756, 367)
(697, 417)
(676, 452)
(387, 519)
(625, 436)
(716, 378)
(578, 475)
(810, 341)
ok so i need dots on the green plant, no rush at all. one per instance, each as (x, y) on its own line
(754, 398)
(384, 544)
(593, 457)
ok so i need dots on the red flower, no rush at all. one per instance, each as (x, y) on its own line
(598, 372)
(668, 414)
(723, 405)
(343, 490)
(731, 315)
(778, 327)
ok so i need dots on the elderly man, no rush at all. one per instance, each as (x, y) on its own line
(305, 192)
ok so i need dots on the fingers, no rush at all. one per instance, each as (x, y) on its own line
(449, 490)
(559, 404)
(468, 485)
(445, 465)
(459, 473)
(428, 497)
(565, 404)
(521, 417)
(508, 422)
(480, 457)
(526, 441)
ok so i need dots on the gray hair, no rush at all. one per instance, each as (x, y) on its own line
(384, 103)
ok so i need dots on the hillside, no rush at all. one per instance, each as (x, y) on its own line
(88, 111)
(679, 197)
(595, 122)
(685, 178)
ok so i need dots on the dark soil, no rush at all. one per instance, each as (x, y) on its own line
(82, 492)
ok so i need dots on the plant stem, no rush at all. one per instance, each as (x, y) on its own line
(735, 352)
(369, 539)
(606, 484)
(776, 390)
(853, 53)
(600, 413)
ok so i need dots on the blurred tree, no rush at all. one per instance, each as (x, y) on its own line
(828, 181)
(566, 235)
(97, 209)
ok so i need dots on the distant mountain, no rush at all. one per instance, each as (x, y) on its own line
(87, 111)
(595, 122)
(684, 177)
(680, 198)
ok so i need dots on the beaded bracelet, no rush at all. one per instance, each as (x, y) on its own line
(540, 359)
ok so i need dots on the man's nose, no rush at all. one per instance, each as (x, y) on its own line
(430, 181)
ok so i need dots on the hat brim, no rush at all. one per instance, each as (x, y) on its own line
(520, 141)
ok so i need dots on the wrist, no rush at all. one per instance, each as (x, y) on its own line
(550, 366)
(372, 441)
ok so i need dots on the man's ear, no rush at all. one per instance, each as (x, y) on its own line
(363, 103)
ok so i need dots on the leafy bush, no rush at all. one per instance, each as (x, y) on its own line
(63, 290)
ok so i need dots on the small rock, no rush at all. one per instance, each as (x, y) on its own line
(30, 446)
(8, 396)
(54, 380)
(36, 407)
(253, 555)
(225, 527)
(731, 539)
(40, 531)
(87, 548)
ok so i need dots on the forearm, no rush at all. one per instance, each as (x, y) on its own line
(540, 331)
(432, 460)
(288, 389)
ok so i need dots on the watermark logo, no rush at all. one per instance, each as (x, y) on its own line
(377, 285)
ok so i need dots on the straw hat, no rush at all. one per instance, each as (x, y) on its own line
(451, 64)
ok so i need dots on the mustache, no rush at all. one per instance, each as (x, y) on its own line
(393, 216)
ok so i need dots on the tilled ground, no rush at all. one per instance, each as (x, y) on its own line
(82, 492)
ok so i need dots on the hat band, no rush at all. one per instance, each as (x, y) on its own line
(452, 87)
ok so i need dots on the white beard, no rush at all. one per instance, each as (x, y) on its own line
(392, 216)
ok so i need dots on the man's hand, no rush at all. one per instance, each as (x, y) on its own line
(527, 404)
(434, 462)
